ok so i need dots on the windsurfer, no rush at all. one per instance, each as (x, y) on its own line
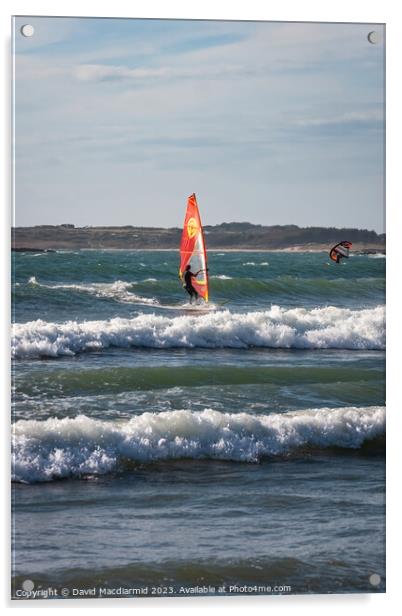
(188, 283)
(340, 251)
(192, 251)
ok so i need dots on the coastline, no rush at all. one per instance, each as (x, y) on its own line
(226, 237)
(290, 249)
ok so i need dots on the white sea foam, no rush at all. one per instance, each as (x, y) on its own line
(118, 290)
(320, 328)
(56, 448)
(222, 277)
(253, 263)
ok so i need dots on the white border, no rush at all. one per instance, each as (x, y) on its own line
(287, 10)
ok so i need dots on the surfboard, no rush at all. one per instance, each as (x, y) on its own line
(187, 307)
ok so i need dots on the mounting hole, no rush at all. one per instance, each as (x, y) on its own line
(375, 579)
(373, 37)
(27, 30)
(28, 585)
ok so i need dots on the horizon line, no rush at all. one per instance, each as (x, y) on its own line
(233, 222)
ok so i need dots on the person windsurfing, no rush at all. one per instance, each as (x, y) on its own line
(340, 251)
(193, 252)
(188, 282)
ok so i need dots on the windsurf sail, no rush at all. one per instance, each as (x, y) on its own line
(340, 251)
(192, 248)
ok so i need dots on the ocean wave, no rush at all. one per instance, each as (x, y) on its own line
(298, 328)
(253, 263)
(114, 380)
(61, 448)
(321, 575)
(295, 287)
(276, 289)
(118, 290)
(282, 288)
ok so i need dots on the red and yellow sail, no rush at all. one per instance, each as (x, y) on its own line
(192, 248)
(340, 250)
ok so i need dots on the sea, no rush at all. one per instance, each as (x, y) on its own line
(167, 449)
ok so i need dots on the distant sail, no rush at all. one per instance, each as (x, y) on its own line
(340, 250)
(192, 248)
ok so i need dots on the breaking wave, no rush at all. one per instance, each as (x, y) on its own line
(118, 290)
(61, 448)
(298, 328)
(278, 289)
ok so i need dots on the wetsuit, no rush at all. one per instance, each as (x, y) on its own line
(188, 284)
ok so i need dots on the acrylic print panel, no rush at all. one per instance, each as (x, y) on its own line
(219, 432)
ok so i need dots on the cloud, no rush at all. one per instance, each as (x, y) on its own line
(106, 72)
(130, 108)
(99, 72)
(352, 118)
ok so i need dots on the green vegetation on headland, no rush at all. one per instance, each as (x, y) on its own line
(226, 236)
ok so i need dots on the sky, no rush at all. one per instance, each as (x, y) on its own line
(117, 121)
